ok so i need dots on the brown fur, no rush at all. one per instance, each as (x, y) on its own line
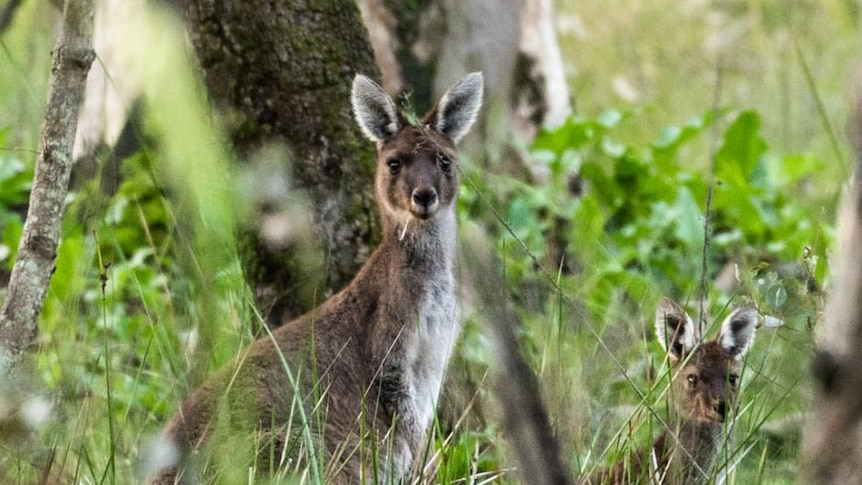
(368, 361)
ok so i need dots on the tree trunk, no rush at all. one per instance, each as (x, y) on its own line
(37, 251)
(832, 441)
(281, 72)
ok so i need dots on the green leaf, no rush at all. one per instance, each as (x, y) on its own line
(689, 220)
(741, 150)
(792, 168)
(12, 230)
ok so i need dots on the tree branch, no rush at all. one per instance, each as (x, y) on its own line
(34, 266)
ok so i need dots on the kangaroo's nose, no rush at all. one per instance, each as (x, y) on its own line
(424, 197)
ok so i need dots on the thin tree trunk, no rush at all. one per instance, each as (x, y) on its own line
(283, 71)
(832, 441)
(37, 251)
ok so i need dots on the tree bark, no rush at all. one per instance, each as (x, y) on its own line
(282, 72)
(832, 441)
(37, 251)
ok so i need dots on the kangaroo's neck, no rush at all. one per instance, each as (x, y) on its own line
(425, 245)
(689, 457)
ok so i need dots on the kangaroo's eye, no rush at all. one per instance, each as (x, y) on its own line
(732, 379)
(394, 165)
(692, 379)
(445, 163)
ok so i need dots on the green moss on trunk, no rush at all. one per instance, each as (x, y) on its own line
(282, 71)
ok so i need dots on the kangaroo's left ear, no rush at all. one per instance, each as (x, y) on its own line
(675, 330)
(456, 111)
(737, 331)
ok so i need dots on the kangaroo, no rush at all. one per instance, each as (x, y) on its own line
(368, 363)
(703, 391)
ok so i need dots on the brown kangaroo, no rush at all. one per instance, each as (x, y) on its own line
(365, 367)
(703, 391)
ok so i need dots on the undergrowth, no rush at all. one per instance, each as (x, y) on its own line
(148, 296)
(585, 258)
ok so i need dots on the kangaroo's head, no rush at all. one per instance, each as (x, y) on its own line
(704, 375)
(417, 175)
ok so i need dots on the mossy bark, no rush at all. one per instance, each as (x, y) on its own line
(281, 71)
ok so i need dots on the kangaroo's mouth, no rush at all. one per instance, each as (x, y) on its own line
(710, 417)
(422, 213)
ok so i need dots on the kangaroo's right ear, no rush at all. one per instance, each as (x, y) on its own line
(374, 110)
(737, 331)
(675, 329)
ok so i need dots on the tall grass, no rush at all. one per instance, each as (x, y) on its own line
(148, 297)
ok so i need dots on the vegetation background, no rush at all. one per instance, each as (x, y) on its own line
(670, 97)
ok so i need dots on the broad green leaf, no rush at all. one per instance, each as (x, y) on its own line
(689, 220)
(741, 150)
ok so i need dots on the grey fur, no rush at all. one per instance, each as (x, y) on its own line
(374, 110)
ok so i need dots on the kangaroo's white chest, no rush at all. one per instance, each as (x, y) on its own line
(427, 349)
(434, 342)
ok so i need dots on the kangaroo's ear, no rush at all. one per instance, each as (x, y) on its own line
(456, 111)
(675, 329)
(374, 110)
(737, 331)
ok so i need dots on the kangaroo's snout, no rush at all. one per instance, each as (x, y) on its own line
(424, 201)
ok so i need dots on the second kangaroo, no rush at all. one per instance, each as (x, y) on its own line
(369, 362)
(703, 392)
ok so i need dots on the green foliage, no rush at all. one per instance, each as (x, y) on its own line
(15, 181)
(627, 219)
(615, 219)
(634, 215)
(626, 222)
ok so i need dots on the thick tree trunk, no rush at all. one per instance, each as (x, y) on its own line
(832, 442)
(37, 251)
(281, 71)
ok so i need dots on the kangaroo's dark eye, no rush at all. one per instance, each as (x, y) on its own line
(394, 165)
(445, 163)
(732, 379)
(692, 379)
